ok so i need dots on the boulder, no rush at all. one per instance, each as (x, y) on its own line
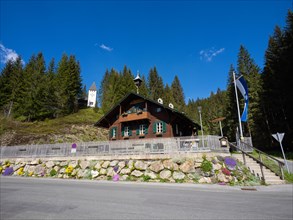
(110, 172)
(98, 166)
(217, 166)
(94, 173)
(124, 177)
(125, 171)
(165, 174)
(222, 178)
(73, 163)
(137, 173)
(170, 165)
(156, 166)
(103, 171)
(63, 163)
(121, 164)
(50, 164)
(106, 164)
(151, 174)
(57, 168)
(130, 164)
(205, 180)
(178, 175)
(140, 165)
(113, 163)
(34, 162)
(84, 164)
(39, 170)
(187, 167)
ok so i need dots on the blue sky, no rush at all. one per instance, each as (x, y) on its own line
(196, 40)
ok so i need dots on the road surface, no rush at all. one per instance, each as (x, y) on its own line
(42, 198)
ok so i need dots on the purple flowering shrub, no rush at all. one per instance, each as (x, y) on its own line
(8, 171)
(230, 163)
(116, 177)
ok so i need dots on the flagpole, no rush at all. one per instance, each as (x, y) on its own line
(240, 125)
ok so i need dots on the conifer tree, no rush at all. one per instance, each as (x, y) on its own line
(155, 84)
(177, 94)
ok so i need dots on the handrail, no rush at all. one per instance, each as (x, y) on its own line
(259, 161)
(282, 163)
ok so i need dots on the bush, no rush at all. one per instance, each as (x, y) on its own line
(206, 166)
(53, 172)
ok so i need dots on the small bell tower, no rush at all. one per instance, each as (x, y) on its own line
(137, 81)
(92, 96)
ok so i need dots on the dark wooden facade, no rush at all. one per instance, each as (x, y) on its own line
(137, 117)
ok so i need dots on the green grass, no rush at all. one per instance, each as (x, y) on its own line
(50, 126)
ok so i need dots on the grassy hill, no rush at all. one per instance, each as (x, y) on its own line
(77, 127)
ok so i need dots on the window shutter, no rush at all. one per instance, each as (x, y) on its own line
(145, 129)
(129, 131)
(111, 133)
(122, 131)
(164, 127)
(137, 131)
(155, 127)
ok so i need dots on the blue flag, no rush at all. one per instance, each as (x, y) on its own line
(242, 86)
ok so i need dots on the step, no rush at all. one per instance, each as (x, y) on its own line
(269, 181)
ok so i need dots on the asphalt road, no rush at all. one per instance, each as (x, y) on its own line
(40, 198)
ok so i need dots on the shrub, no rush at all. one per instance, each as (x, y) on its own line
(53, 172)
(146, 178)
(230, 163)
(20, 171)
(8, 171)
(226, 172)
(206, 166)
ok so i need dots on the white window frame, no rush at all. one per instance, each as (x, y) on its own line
(159, 127)
(141, 129)
(113, 132)
(126, 131)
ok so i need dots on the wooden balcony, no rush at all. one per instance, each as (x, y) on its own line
(134, 116)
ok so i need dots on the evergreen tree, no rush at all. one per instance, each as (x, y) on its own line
(126, 84)
(177, 94)
(143, 89)
(155, 84)
(168, 96)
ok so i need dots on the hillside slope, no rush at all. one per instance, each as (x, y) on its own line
(78, 127)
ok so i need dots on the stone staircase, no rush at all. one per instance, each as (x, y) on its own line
(254, 167)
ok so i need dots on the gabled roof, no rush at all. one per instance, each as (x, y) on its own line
(104, 121)
(93, 87)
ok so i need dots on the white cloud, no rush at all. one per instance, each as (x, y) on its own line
(7, 54)
(209, 54)
(104, 47)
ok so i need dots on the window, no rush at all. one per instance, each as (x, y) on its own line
(141, 129)
(159, 127)
(126, 131)
(113, 133)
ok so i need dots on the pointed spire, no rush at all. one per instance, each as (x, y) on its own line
(137, 81)
(93, 87)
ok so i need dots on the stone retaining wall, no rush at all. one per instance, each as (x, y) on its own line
(201, 168)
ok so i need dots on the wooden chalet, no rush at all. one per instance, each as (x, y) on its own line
(137, 117)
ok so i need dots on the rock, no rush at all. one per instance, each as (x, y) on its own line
(39, 170)
(187, 167)
(110, 172)
(165, 174)
(57, 168)
(80, 173)
(102, 178)
(170, 165)
(50, 164)
(222, 178)
(124, 177)
(65, 176)
(73, 164)
(197, 165)
(131, 164)
(106, 164)
(121, 164)
(84, 164)
(34, 162)
(74, 172)
(140, 165)
(62, 170)
(204, 180)
(199, 160)
(31, 169)
(94, 173)
(103, 171)
(16, 167)
(113, 163)
(217, 166)
(156, 166)
(60, 175)
(63, 163)
(137, 173)
(125, 171)
(151, 174)
(178, 175)
(98, 166)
